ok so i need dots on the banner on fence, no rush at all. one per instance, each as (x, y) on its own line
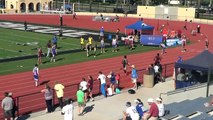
(151, 39)
(173, 42)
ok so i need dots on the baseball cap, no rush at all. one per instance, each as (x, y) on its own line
(137, 101)
(158, 99)
(150, 100)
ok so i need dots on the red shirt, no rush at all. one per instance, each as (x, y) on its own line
(154, 110)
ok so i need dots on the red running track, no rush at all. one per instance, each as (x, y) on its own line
(22, 83)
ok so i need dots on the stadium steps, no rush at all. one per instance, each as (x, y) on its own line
(189, 109)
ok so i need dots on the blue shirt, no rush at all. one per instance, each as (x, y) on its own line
(139, 109)
(54, 40)
(134, 73)
(102, 30)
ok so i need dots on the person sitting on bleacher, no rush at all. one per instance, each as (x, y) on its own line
(160, 107)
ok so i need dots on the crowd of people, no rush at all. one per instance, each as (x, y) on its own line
(139, 112)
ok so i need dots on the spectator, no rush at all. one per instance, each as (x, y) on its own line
(139, 108)
(59, 89)
(207, 43)
(114, 45)
(198, 28)
(74, 16)
(81, 102)
(109, 91)
(83, 84)
(180, 79)
(112, 76)
(102, 79)
(90, 87)
(124, 64)
(160, 107)
(134, 77)
(183, 39)
(68, 110)
(117, 33)
(25, 25)
(39, 55)
(130, 113)
(36, 74)
(48, 95)
(102, 46)
(10, 94)
(131, 42)
(49, 46)
(153, 112)
(82, 42)
(151, 69)
(102, 32)
(55, 41)
(7, 106)
(53, 53)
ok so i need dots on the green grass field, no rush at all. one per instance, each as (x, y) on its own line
(21, 43)
(9, 48)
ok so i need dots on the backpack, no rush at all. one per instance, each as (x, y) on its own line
(131, 91)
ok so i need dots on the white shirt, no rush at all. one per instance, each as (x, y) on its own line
(161, 109)
(83, 84)
(35, 71)
(131, 38)
(114, 41)
(102, 78)
(109, 91)
(156, 68)
(132, 112)
(68, 112)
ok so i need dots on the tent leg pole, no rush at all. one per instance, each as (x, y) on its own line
(207, 88)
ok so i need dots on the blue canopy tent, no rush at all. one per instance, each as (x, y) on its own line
(140, 25)
(202, 62)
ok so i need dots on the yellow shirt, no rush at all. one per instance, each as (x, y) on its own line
(82, 40)
(90, 40)
(59, 90)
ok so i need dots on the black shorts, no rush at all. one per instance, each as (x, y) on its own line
(85, 91)
(8, 114)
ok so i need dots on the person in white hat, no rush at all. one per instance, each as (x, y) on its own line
(153, 112)
(134, 77)
(160, 106)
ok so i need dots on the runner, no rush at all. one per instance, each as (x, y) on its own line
(36, 74)
(124, 64)
(90, 40)
(82, 42)
(183, 39)
(207, 43)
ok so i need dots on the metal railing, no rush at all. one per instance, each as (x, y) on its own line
(25, 103)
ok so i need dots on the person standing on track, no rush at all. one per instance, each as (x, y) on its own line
(59, 89)
(36, 74)
(124, 64)
(207, 43)
(39, 55)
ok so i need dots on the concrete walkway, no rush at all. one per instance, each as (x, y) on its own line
(111, 108)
